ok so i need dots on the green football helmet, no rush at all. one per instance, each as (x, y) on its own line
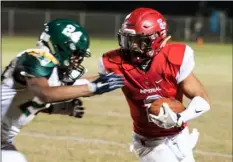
(69, 43)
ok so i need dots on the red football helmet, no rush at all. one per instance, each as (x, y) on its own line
(142, 33)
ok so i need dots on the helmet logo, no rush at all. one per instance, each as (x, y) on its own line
(69, 32)
(69, 29)
(162, 24)
(75, 37)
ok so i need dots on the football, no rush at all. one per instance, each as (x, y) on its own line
(174, 104)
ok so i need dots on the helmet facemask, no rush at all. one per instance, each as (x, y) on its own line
(68, 42)
(138, 46)
(72, 69)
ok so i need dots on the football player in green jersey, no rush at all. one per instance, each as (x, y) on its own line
(38, 78)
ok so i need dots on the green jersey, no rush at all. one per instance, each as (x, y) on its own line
(19, 105)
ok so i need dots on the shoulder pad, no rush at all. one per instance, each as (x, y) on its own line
(42, 56)
(175, 53)
(35, 64)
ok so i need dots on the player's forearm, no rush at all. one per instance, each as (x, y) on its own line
(84, 80)
(196, 108)
(63, 108)
(200, 102)
(63, 93)
(90, 78)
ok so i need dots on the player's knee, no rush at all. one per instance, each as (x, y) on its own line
(12, 156)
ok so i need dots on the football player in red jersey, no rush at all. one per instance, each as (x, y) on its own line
(154, 68)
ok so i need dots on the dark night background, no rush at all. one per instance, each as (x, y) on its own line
(166, 7)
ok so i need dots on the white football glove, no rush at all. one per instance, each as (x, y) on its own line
(166, 118)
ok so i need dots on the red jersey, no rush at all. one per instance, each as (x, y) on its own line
(172, 65)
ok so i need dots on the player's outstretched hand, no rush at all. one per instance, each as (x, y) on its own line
(72, 108)
(78, 109)
(106, 83)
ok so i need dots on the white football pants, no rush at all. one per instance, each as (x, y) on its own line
(178, 148)
(12, 156)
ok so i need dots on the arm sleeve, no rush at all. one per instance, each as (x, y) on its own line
(196, 108)
(187, 65)
(101, 67)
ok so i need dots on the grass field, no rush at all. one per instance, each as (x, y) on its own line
(104, 134)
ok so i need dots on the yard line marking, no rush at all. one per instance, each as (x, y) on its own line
(71, 138)
(107, 142)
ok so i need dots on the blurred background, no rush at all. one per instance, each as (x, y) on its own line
(187, 21)
(104, 133)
